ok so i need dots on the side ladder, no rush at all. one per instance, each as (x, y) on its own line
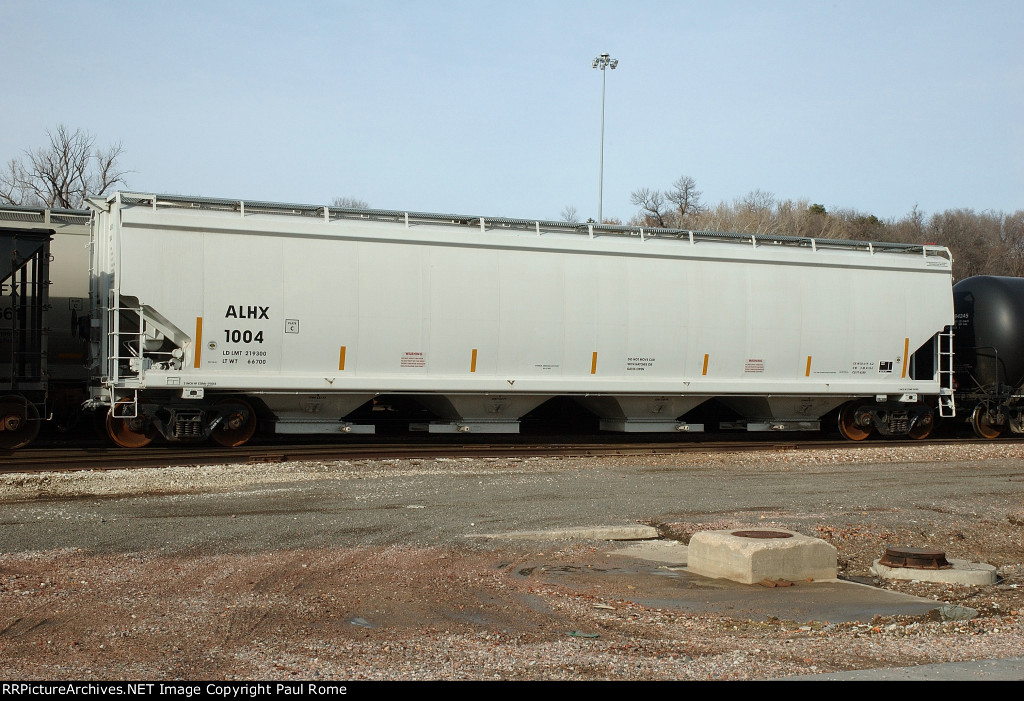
(124, 343)
(947, 402)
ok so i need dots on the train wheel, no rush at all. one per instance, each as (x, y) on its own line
(923, 428)
(848, 425)
(19, 422)
(982, 425)
(1016, 423)
(134, 432)
(238, 426)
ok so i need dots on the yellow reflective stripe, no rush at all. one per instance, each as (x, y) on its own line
(472, 362)
(199, 341)
(807, 373)
(906, 354)
(705, 370)
(593, 363)
(341, 359)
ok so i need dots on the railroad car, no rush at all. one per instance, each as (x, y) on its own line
(44, 288)
(989, 347)
(211, 317)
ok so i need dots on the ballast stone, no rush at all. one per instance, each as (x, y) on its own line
(792, 557)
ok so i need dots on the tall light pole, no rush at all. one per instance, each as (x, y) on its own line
(602, 62)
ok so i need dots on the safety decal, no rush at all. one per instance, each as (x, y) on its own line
(412, 359)
(639, 363)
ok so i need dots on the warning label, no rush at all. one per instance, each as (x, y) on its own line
(413, 360)
(638, 363)
(754, 365)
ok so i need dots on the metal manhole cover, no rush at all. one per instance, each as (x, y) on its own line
(915, 558)
(762, 534)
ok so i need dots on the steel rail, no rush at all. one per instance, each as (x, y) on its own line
(72, 459)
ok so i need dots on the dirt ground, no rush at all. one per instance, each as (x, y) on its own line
(490, 609)
(466, 613)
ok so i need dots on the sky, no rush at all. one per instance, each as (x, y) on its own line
(493, 108)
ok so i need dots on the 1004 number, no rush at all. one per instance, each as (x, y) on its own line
(246, 336)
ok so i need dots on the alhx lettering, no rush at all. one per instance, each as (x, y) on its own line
(246, 312)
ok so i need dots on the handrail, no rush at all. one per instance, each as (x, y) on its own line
(534, 226)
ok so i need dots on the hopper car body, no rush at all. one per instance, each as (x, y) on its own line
(212, 316)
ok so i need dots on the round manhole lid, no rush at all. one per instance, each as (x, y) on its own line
(762, 534)
(915, 558)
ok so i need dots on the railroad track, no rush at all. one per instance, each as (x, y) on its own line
(64, 458)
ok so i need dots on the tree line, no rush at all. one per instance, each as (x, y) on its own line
(982, 243)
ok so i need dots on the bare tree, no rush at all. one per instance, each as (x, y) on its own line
(62, 174)
(909, 229)
(350, 203)
(755, 213)
(656, 207)
(686, 197)
(652, 207)
(814, 221)
(853, 225)
(977, 241)
(1012, 232)
(570, 215)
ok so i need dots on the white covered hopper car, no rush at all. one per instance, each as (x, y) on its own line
(211, 316)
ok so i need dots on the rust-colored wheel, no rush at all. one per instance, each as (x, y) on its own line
(982, 424)
(129, 432)
(19, 422)
(922, 427)
(238, 423)
(848, 425)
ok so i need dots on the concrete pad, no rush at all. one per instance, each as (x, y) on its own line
(961, 572)
(666, 552)
(611, 577)
(787, 555)
(586, 533)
